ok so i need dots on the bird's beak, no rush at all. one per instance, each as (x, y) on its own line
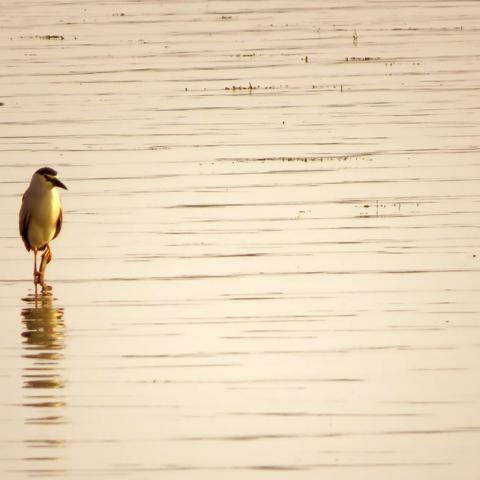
(58, 183)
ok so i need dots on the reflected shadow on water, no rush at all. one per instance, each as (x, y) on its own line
(43, 333)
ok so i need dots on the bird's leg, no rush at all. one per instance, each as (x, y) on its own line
(35, 271)
(46, 259)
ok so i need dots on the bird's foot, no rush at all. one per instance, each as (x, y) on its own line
(46, 289)
(39, 279)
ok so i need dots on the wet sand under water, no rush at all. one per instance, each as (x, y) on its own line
(269, 266)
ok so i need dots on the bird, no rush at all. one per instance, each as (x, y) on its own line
(40, 219)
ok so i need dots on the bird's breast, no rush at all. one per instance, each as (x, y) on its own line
(44, 217)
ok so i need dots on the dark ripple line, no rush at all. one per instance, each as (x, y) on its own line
(98, 472)
(282, 436)
(253, 274)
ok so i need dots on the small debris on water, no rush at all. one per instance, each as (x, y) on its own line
(361, 59)
(43, 37)
(251, 87)
(325, 158)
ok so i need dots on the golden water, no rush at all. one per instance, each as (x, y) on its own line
(269, 266)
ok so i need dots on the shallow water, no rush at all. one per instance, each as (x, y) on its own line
(276, 280)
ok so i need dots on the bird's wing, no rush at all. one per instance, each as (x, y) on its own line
(23, 222)
(59, 224)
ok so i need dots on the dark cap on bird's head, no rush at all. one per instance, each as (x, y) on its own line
(50, 175)
(47, 171)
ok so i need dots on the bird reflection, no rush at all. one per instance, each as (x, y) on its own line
(43, 333)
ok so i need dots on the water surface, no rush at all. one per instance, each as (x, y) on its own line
(269, 265)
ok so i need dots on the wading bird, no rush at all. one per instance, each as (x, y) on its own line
(41, 218)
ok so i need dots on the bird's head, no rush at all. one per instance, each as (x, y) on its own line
(47, 178)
